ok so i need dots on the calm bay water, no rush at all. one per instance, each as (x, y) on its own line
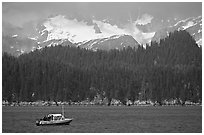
(106, 119)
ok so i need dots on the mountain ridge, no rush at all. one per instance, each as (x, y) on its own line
(171, 69)
(59, 29)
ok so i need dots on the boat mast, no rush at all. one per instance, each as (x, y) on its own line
(63, 110)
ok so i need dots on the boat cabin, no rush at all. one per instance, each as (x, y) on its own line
(53, 117)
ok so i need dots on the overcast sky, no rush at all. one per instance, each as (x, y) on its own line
(20, 13)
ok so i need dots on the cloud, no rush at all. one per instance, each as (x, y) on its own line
(144, 19)
(60, 27)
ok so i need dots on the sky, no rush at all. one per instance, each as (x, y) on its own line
(20, 12)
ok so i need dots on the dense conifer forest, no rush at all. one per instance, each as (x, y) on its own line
(166, 70)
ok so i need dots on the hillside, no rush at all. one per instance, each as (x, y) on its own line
(170, 69)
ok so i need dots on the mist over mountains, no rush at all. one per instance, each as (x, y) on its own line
(108, 51)
(90, 33)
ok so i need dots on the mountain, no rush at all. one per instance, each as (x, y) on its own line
(171, 69)
(16, 45)
(93, 34)
(113, 42)
(193, 25)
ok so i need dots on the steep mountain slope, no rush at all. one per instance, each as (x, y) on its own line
(192, 25)
(113, 42)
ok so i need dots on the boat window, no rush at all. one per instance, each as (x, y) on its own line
(46, 118)
(57, 117)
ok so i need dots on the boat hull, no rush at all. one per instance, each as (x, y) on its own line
(56, 122)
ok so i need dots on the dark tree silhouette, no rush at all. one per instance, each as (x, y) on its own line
(165, 70)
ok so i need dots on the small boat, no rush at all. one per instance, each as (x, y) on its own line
(54, 119)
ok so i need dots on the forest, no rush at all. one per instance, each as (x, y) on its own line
(170, 69)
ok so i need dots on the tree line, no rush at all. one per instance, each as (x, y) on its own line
(170, 69)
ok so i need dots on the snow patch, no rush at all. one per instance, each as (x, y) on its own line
(98, 41)
(145, 19)
(199, 42)
(34, 38)
(39, 47)
(181, 21)
(21, 51)
(116, 36)
(43, 32)
(14, 36)
(91, 44)
(148, 35)
(50, 44)
(167, 33)
(189, 24)
(33, 49)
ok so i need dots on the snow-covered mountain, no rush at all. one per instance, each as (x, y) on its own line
(60, 27)
(113, 42)
(93, 34)
(193, 25)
